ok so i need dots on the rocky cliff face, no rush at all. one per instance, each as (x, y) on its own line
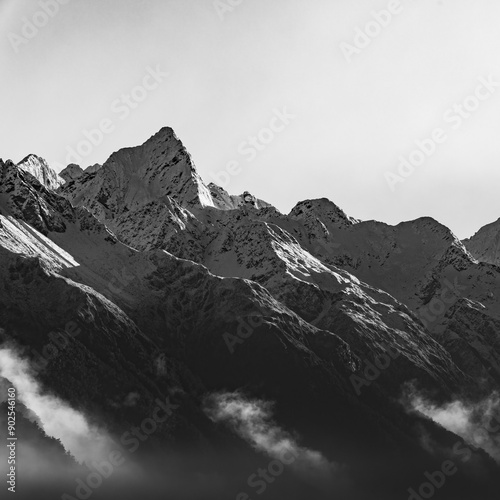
(180, 288)
(40, 170)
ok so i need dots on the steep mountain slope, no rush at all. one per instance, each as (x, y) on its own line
(425, 266)
(274, 260)
(181, 289)
(238, 243)
(417, 262)
(305, 371)
(135, 176)
(485, 244)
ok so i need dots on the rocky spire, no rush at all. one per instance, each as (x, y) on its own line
(39, 169)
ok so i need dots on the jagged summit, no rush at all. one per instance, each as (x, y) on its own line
(226, 201)
(133, 177)
(27, 199)
(39, 169)
(165, 133)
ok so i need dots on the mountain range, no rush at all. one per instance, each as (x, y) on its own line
(370, 351)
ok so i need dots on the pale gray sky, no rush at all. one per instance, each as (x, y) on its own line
(227, 79)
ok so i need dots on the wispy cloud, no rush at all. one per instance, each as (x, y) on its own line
(478, 423)
(83, 440)
(252, 420)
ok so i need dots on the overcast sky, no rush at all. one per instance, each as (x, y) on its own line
(220, 75)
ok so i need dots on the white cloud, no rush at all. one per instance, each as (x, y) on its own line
(477, 423)
(84, 441)
(252, 421)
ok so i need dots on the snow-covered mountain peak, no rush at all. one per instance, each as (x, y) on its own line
(24, 197)
(134, 177)
(39, 169)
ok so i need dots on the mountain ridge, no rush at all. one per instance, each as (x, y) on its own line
(328, 317)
